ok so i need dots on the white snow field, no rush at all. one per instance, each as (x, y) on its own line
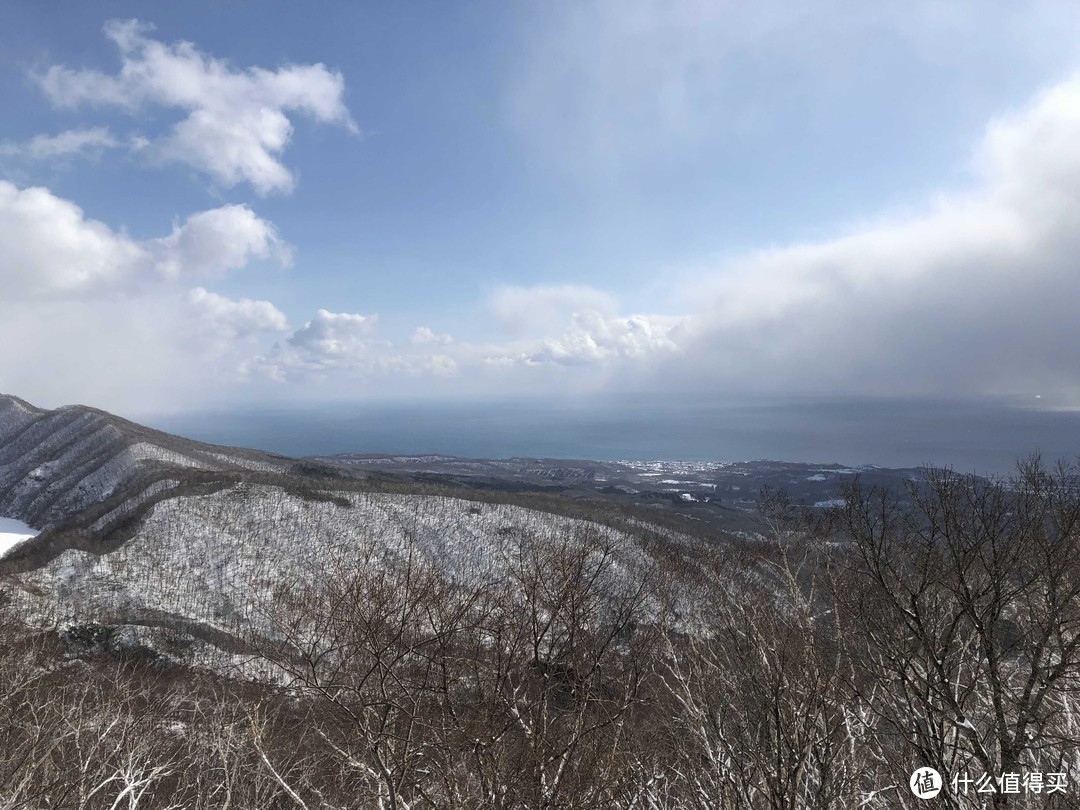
(13, 532)
(213, 558)
(221, 560)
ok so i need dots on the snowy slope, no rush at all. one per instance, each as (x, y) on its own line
(215, 558)
(53, 464)
(146, 530)
(211, 568)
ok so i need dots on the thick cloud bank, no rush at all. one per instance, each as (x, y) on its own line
(978, 294)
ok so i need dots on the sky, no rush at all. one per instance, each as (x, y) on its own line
(225, 204)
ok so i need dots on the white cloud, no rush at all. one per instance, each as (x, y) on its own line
(49, 248)
(440, 365)
(331, 342)
(973, 295)
(71, 143)
(237, 122)
(213, 242)
(158, 351)
(435, 365)
(341, 349)
(102, 318)
(333, 336)
(110, 320)
(594, 338)
(610, 84)
(227, 320)
(976, 295)
(546, 308)
(423, 336)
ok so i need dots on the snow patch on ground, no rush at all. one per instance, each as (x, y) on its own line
(13, 532)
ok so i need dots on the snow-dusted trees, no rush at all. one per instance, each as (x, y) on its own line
(759, 713)
(963, 615)
(934, 627)
(368, 650)
(485, 656)
(513, 691)
(555, 674)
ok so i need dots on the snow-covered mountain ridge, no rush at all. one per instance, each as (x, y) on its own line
(142, 529)
(54, 464)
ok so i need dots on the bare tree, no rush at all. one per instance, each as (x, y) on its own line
(964, 605)
(760, 713)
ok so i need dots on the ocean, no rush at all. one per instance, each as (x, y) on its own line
(970, 437)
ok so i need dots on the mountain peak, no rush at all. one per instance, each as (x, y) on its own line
(56, 463)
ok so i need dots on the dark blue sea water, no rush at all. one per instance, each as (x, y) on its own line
(971, 437)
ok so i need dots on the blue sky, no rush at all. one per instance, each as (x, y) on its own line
(205, 204)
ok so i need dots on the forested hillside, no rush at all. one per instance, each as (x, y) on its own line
(211, 628)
